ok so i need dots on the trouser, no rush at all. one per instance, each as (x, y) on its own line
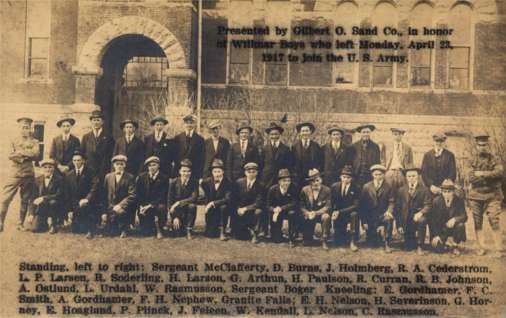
(414, 233)
(247, 224)
(152, 219)
(25, 186)
(309, 225)
(341, 223)
(276, 234)
(84, 219)
(41, 214)
(186, 215)
(373, 227)
(216, 219)
(116, 222)
(491, 208)
(396, 178)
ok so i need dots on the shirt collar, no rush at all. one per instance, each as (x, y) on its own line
(153, 176)
(97, 132)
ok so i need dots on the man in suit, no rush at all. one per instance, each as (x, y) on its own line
(47, 203)
(275, 156)
(118, 198)
(396, 157)
(241, 152)
(250, 204)
(438, 164)
(64, 145)
(335, 156)
(218, 200)
(447, 219)
(413, 204)
(345, 195)
(190, 145)
(131, 146)
(97, 146)
(282, 205)
(81, 186)
(363, 154)
(157, 144)
(182, 200)
(315, 205)
(151, 188)
(376, 207)
(307, 153)
(216, 147)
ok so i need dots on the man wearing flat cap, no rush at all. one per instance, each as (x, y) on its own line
(335, 156)
(151, 188)
(438, 164)
(189, 145)
(241, 152)
(485, 192)
(158, 144)
(23, 150)
(97, 146)
(376, 208)
(119, 197)
(396, 156)
(182, 200)
(307, 153)
(216, 147)
(64, 145)
(131, 146)
(364, 153)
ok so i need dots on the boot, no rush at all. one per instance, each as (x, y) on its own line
(353, 246)
(50, 223)
(388, 250)
(481, 243)
(419, 251)
(123, 234)
(222, 234)
(254, 239)
(157, 228)
(324, 245)
(189, 234)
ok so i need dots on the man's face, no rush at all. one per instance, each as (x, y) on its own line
(65, 127)
(438, 144)
(78, 161)
(378, 175)
(97, 123)
(189, 125)
(365, 134)
(335, 136)
(47, 170)
(285, 182)
(251, 174)
(316, 183)
(274, 135)
(129, 129)
(26, 129)
(305, 132)
(153, 167)
(482, 147)
(412, 176)
(119, 166)
(215, 132)
(158, 126)
(397, 136)
(185, 172)
(447, 194)
(244, 134)
(217, 173)
(345, 179)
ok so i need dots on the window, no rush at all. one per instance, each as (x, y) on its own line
(145, 72)
(421, 60)
(460, 56)
(38, 25)
(239, 72)
(383, 72)
(345, 72)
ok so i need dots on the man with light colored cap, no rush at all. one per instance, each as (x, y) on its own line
(97, 146)
(364, 153)
(438, 164)
(396, 156)
(189, 145)
(241, 152)
(307, 153)
(23, 150)
(64, 145)
(335, 156)
(216, 147)
(485, 192)
(158, 144)
(131, 146)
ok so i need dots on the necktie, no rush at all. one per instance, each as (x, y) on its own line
(306, 144)
(343, 192)
(412, 189)
(243, 148)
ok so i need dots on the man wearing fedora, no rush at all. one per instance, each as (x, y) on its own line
(182, 200)
(396, 156)
(97, 146)
(315, 205)
(157, 144)
(23, 150)
(364, 153)
(376, 207)
(485, 192)
(131, 146)
(335, 156)
(447, 219)
(282, 204)
(151, 188)
(413, 204)
(217, 200)
(216, 147)
(189, 145)
(345, 199)
(119, 198)
(275, 155)
(241, 152)
(64, 145)
(438, 164)
(307, 153)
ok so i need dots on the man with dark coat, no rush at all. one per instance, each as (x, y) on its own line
(218, 200)
(364, 154)
(182, 200)
(241, 152)
(97, 146)
(307, 153)
(397, 156)
(438, 164)
(275, 156)
(131, 146)
(216, 147)
(151, 188)
(81, 186)
(376, 208)
(335, 156)
(64, 145)
(189, 145)
(159, 145)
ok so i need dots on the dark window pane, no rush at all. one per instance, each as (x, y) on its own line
(382, 76)
(276, 74)
(239, 73)
(420, 76)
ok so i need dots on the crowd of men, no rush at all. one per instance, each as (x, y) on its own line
(101, 186)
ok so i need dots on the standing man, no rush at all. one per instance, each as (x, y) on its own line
(24, 149)
(396, 157)
(485, 192)
(275, 156)
(241, 152)
(216, 147)
(307, 153)
(131, 146)
(438, 164)
(364, 154)
(97, 146)
(335, 156)
(157, 144)
(64, 145)
(190, 145)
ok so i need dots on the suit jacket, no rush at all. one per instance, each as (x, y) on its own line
(134, 152)
(53, 193)
(369, 156)
(192, 149)
(85, 187)
(273, 160)
(122, 192)
(150, 191)
(305, 159)
(321, 205)
(287, 202)
(406, 155)
(62, 152)
(210, 154)
(433, 176)
(407, 205)
(348, 202)
(333, 162)
(221, 196)
(163, 150)
(98, 152)
(373, 204)
(440, 214)
(185, 195)
(251, 199)
(235, 161)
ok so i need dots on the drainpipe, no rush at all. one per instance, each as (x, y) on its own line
(199, 65)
